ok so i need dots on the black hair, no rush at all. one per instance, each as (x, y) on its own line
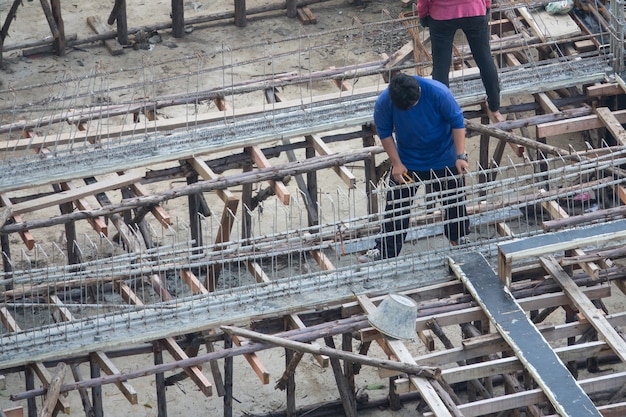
(404, 91)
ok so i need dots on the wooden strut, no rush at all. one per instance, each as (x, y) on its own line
(419, 370)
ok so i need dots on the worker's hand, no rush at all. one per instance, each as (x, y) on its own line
(424, 21)
(396, 173)
(462, 166)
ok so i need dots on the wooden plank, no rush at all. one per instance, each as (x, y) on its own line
(401, 55)
(193, 282)
(573, 125)
(552, 242)
(584, 305)
(110, 369)
(97, 223)
(341, 85)
(557, 212)
(586, 45)
(194, 372)
(99, 28)
(612, 124)
(306, 16)
(506, 315)
(261, 161)
(295, 322)
(399, 350)
(26, 236)
(14, 412)
(255, 363)
(157, 211)
(604, 89)
(322, 148)
(535, 396)
(550, 27)
(546, 104)
(71, 195)
(206, 173)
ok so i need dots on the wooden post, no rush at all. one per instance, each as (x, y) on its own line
(96, 390)
(178, 18)
(194, 220)
(311, 181)
(59, 43)
(73, 257)
(5, 246)
(290, 386)
(240, 13)
(122, 24)
(5, 27)
(160, 381)
(29, 377)
(228, 379)
(84, 396)
(118, 14)
(292, 8)
(47, 10)
(370, 170)
(347, 395)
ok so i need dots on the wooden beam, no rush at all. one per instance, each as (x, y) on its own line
(25, 235)
(322, 149)
(97, 223)
(585, 306)
(110, 369)
(557, 212)
(157, 211)
(261, 161)
(71, 195)
(576, 124)
(612, 124)
(412, 368)
(206, 173)
(53, 390)
(553, 242)
(98, 27)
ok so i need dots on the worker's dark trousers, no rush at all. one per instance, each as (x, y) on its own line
(476, 31)
(397, 209)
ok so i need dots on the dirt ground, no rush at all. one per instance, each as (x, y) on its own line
(314, 383)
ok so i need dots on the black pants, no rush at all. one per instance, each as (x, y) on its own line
(476, 31)
(397, 208)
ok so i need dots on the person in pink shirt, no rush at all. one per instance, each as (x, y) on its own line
(444, 18)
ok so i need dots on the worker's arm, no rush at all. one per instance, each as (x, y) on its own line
(458, 135)
(397, 167)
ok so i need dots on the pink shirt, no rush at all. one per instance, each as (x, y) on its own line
(452, 9)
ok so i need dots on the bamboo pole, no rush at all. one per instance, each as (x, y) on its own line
(424, 371)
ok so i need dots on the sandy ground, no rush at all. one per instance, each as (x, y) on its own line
(314, 383)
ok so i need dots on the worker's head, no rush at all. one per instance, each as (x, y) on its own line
(404, 91)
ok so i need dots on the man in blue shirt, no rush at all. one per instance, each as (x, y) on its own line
(429, 143)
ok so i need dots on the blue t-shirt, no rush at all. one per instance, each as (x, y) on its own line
(423, 133)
